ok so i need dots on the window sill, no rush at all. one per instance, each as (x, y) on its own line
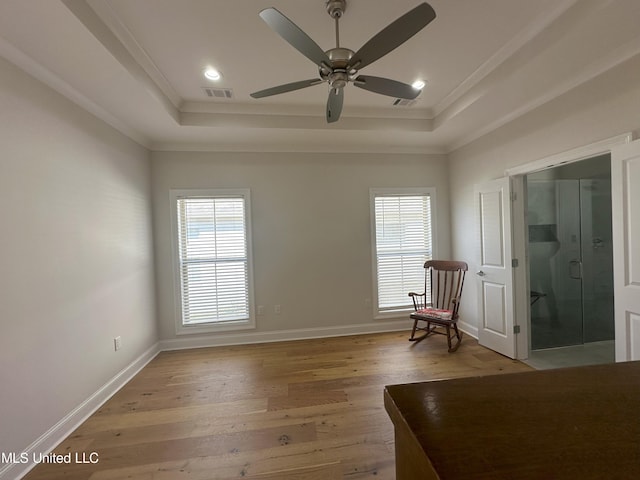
(215, 327)
(392, 314)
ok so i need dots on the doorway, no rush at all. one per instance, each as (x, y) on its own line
(571, 264)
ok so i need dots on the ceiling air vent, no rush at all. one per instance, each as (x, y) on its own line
(403, 102)
(218, 92)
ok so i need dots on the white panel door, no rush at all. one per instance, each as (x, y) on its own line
(625, 198)
(494, 275)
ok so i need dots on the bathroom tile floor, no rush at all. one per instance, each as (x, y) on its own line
(588, 354)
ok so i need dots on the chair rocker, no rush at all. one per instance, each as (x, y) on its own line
(438, 306)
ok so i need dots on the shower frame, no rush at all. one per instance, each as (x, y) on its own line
(519, 231)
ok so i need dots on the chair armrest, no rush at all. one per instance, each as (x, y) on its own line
(415, 297)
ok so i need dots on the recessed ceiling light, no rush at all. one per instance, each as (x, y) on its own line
(418, 84)
(212, 74)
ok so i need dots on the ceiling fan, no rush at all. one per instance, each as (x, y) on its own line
(339, 66)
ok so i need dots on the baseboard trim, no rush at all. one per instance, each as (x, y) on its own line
(469, 329)
(246, 338)
(61, 430)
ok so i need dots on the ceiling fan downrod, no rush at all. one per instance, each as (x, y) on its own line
(335, 9)
(338, 77)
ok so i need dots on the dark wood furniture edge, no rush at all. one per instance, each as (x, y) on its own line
(411, 461)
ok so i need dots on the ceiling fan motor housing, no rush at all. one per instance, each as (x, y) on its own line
(338, 77)
(339, 57)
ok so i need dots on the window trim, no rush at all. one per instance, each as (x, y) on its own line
(245, 324)
(395, 192)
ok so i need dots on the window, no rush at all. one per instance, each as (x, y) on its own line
(403, 241)
(212, 259)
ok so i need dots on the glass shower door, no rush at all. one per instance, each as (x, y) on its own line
(570, 262)
(555, 263)
(597, 259)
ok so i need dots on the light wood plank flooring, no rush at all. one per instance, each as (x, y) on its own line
(304, 410)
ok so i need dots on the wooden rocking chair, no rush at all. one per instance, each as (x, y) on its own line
(441, 300)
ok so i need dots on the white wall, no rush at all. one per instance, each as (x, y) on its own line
(76, 256)
(311, 229)
(606, 106)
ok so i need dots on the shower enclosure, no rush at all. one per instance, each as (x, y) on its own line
(570, 255)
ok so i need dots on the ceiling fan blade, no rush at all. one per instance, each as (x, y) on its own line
(393, 35)
(295, 36)
(289, 87)
(386, 86)
(334, 104)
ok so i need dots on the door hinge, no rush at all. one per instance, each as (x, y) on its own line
(514, 262)
(516, 329)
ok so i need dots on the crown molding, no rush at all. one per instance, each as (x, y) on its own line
(503, 54)
(287, 148)
(305, 122)
(591, 71)
(85, 13)
(222, 107)
(105, 12)
(53, 81)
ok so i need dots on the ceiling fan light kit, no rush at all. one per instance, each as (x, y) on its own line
(339, 66)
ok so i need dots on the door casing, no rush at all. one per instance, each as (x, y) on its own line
(519, 226)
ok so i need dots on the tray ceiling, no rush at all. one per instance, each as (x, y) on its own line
(139, 66)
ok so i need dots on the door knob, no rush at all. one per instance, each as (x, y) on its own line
(480, 273)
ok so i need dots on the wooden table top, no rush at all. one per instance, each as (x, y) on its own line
(573, 423)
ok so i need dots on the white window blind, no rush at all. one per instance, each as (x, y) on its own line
(403, 242)
(213, 259)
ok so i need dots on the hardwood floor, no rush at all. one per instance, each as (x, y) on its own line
(301, 410)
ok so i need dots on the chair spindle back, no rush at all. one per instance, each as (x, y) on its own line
(446, 279)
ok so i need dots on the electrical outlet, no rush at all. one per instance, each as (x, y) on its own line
(260, 309)
(276, 309)
(117, 343)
